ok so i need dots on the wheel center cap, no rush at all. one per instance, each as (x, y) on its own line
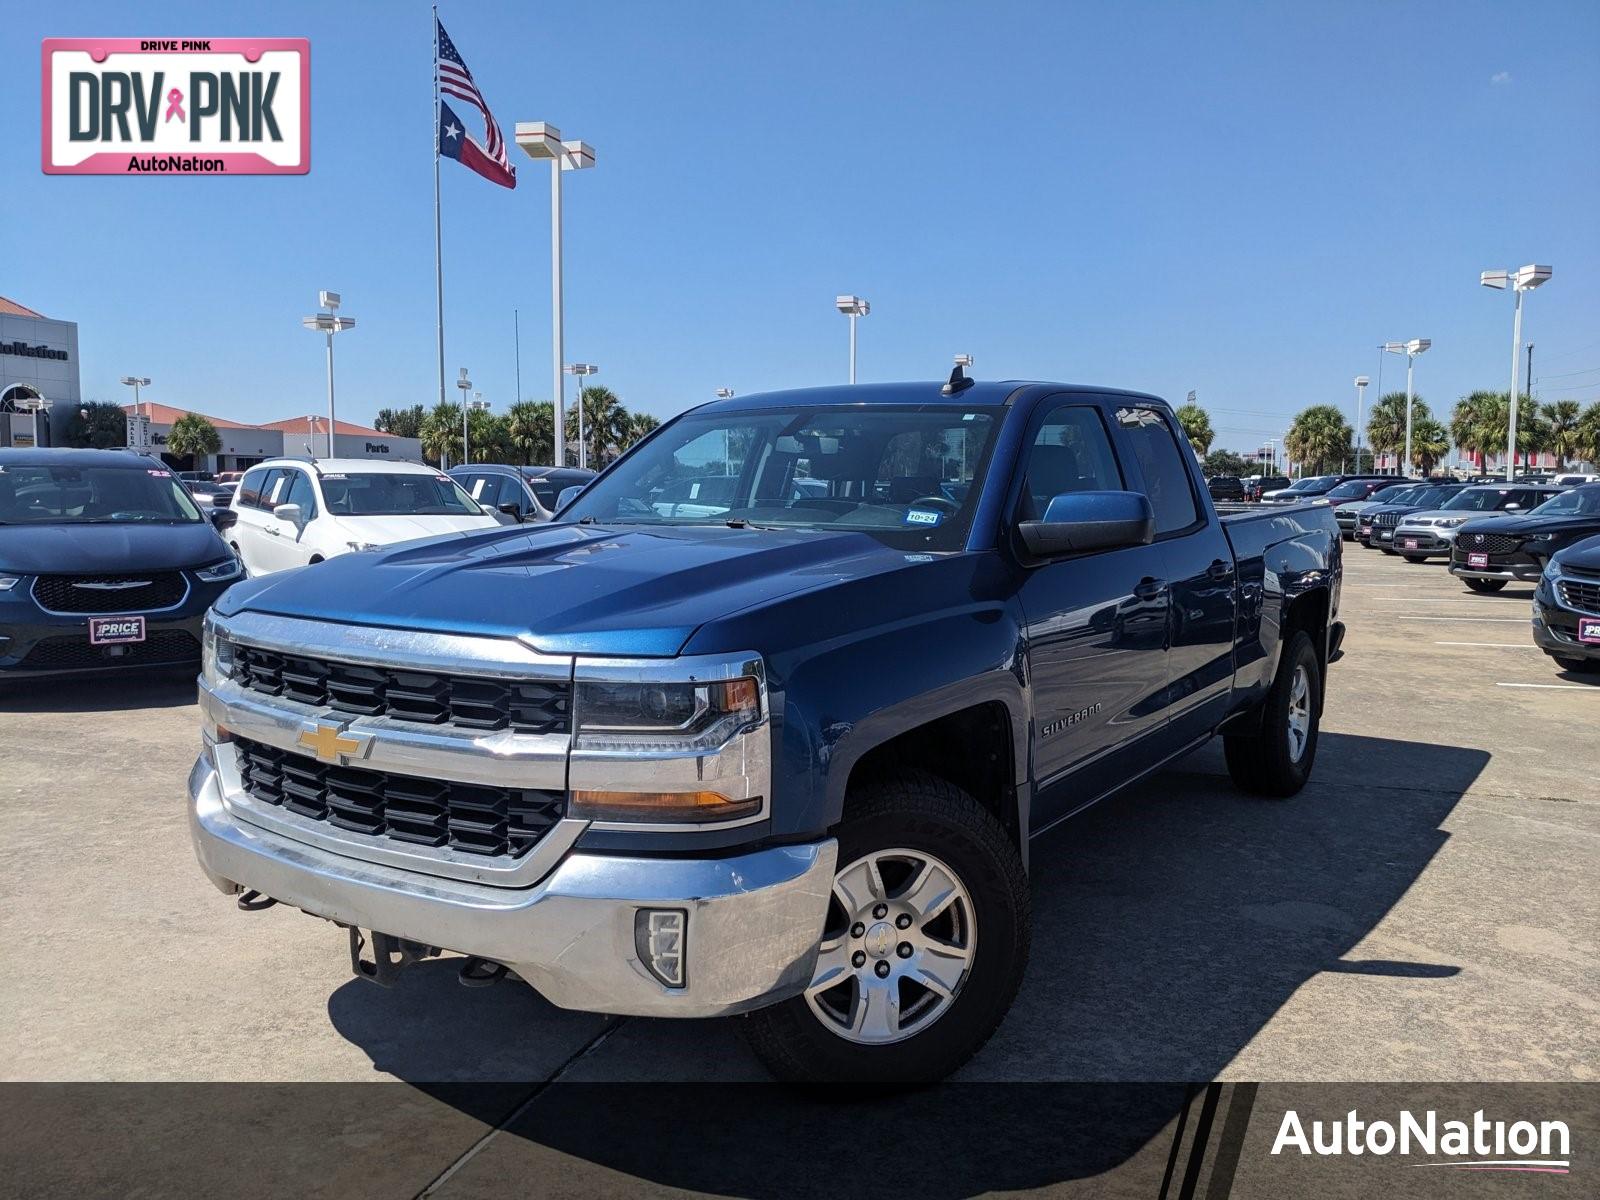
(880, 940)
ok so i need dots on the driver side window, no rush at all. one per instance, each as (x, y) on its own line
(1070, 453)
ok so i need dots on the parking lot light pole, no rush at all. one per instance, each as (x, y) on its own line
(328, 323)
(136, 382)
(1523, 279)
(582, 371)
(1410, 349)
(852, 307)
(1361, 395)
(465, 384)
(540, 139)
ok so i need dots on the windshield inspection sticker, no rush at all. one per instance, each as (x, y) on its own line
(923, 516)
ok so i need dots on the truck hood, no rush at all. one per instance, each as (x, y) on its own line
(109, 549)
(1434, 513)
(1584, 555)
(569, 589)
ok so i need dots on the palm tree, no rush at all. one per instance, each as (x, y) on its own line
(193, 435)
(1386, 422)
(441, 434)
(1319, 439)
(640, 426)
(1196, 427)
(1494, 423)
(605, 424)
(486, 436)
(1561, 430)
(531, 431)
(1430, 443)
(401, 422)
(1586, 445)
(1469, 425)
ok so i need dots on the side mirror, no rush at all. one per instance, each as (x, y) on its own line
(1077, 522)
(567, 496)
(510, 509)
(224, 518)
(287, 512)
(1513, 507)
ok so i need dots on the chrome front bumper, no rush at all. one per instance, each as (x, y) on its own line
(753, 921)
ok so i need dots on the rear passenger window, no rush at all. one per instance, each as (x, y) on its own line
(1166, 476)
(1071, 453)
(257, 486)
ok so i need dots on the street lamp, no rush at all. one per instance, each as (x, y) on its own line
(36, 404)
(136, 382)
(540, 139)
(465, 385)
(1410, 349)
(852, 307)
(1523, 279)
(1361, 395)
(582, 371)
(325, 322)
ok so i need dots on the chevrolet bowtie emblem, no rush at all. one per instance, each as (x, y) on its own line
(329, 743)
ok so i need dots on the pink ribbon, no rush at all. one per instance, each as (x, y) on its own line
(174, 106)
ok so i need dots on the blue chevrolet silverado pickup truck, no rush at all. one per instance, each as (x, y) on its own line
(764, 721)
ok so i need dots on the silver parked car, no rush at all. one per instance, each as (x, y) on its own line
(1431, 534)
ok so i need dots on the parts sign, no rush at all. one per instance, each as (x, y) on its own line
(170, 106)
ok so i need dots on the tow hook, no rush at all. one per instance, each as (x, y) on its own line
(253, 901)
(480, 972)
(390, 955)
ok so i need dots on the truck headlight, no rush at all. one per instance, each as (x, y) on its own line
(649, 717)
(216, 653)
(1552, 569)
(688, 748)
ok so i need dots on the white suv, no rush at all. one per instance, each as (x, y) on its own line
(291, 513)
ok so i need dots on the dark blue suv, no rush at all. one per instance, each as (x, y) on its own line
(105, 563)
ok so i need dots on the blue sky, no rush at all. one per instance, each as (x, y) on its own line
(1240, 199)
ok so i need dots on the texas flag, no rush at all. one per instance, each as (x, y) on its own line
(487, 158)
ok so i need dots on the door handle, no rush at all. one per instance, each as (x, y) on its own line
(271, 530)
(1150, 589)
(1219, 570)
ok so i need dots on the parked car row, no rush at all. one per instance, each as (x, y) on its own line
(1497, 533)
(109, 559)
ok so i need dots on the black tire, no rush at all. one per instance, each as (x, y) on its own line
(1415, 558)
(917, 811)
(1485, 585)
(1264, 763)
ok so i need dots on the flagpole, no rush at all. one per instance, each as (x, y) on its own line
(438, 262)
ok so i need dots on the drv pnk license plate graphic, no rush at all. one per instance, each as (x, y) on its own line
(170, 106)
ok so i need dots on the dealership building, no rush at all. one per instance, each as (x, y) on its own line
(295, 437)
(38, 362)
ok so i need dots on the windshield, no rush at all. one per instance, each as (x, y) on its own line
(38, 495)
(907, 476)
(1317, 483)
(395, 495)
(1395, 493)
(1429, 497)
(1353, 490)
(1477, 500)
(1580, 503)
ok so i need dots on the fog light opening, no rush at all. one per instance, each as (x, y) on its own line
(660, 936)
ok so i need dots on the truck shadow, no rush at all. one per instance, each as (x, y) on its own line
(1170, 924)
(171, 687)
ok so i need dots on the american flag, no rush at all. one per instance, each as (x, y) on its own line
(487, 158)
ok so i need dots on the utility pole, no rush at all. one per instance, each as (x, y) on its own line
(1529, 393)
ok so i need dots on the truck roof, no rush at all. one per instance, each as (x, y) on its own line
(983, 393)
(344, 465)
